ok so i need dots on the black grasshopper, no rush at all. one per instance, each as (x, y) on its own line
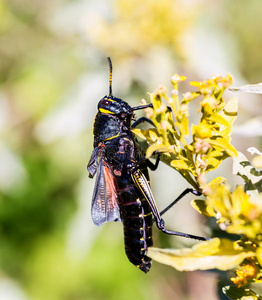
(122, 191)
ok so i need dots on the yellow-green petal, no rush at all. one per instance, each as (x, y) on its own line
(217, 253)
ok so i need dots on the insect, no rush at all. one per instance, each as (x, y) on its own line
(122, 192)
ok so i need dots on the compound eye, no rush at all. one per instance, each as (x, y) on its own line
(105, 102)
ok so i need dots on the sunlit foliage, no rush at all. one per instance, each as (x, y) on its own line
(239, 212)
(211, 138)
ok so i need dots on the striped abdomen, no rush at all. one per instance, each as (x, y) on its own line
(137, 221)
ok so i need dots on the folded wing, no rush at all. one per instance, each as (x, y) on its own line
(104, 203)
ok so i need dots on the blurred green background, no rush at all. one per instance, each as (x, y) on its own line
(53, 71)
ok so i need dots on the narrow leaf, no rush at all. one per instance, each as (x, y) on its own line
(218, 119)
(181, 164)
(224, 144)
(156, 147)
(235, 293)
(230, 110)
(217, 253)
(249, 88)
(202, 207)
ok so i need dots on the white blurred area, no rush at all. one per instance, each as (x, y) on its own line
(74, 113)
(9, 290)
(82, 232)
(12, 172)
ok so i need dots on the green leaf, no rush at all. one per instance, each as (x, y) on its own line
(151, 135)
(189, 96)
(216, 182)
(202, 207)
(215, 153)
(184, 125)
(213, 163)
(219, 119)
(235, 293)
(230, 110)
(224, 144)
(181, 164)
(217, 253)
(156, 147)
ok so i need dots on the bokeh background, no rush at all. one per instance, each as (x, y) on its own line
(53, 71)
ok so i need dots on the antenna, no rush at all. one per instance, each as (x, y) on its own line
(110, 76)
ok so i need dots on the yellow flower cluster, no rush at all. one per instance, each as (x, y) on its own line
(237, 213)
(211, 139)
